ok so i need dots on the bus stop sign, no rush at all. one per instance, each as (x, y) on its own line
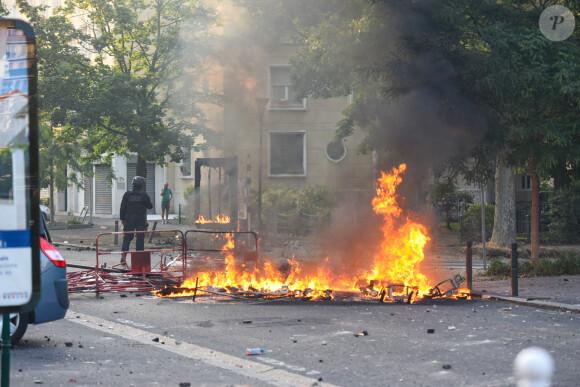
(19, 190)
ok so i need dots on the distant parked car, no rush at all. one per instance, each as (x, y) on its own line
(54, 300)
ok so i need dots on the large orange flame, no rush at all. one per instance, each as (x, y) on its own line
(404, 240)
(397, 262)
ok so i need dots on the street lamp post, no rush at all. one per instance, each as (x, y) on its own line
(261, 105)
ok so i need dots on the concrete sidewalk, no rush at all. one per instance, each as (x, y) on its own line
(559, 293)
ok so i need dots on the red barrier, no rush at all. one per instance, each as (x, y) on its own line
(136, 273)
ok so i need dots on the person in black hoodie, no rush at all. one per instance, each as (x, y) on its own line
(134, 214)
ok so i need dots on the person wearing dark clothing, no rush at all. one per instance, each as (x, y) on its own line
(134, 214)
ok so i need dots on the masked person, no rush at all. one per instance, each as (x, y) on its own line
(134, 214)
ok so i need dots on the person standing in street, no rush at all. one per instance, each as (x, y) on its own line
(133, 214)
(166, 196)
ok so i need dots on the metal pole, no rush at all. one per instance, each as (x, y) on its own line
(469, 264)
(261, 102)
(220, 191)
(179, 219)
(209, 190)
(483, 248)
(247, 193)
(6, 343)
(91, 201)
(260, 183)
(116, 230)
(514, 257)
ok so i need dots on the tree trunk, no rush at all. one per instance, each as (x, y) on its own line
(504, 226)
(535, 226)
(535, 232)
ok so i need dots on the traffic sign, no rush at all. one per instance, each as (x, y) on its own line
(19, 190)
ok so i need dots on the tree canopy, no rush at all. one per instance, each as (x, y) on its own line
(440, 83)
(407, 99)
(129, 73)
(450, 60)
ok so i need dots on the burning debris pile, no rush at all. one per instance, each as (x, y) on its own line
(393, 274)
(219, 219)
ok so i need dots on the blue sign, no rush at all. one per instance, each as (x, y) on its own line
(15, 267)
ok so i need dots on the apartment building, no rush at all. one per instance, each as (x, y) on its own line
(262, 126)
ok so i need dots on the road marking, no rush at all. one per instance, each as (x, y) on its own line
(263, 372)
(289, 366)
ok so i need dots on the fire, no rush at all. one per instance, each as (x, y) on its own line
(218, 219)
(404, 240)
(265, 278)
(395, 268)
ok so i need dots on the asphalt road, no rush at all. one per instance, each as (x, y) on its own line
(142, 340)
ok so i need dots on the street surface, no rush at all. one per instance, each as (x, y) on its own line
(141, 340)
(137, 339)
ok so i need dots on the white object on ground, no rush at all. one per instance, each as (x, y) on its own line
(534, 367)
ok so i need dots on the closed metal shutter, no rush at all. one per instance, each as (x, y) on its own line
(150, 185)
(103, 192)
(88, 187)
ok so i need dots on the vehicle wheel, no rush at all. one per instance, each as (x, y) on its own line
(18, 326)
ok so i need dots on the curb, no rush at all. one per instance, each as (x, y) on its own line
(60, 226)
(538, 304)
(77, 246)
(530, 302)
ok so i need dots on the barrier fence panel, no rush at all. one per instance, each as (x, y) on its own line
(206, 250)
(160, 263)
(168, 259)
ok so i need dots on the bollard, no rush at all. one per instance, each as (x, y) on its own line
(534, 367)
(469, 264)
(514, 257)
(116, 230)
(6, 344)
(179, 216)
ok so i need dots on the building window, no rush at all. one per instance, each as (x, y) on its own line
(186, 163)
(526, 181)
(336, 151)
(282, 95)
(287, 154)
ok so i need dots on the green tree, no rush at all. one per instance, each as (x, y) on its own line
(454, 68)
(148, 57)
(55, 159)
(565, 214)
(525, 82)
(405, 98)
(136, 91)
(449, 199)
(279, 204)
(471, 227)
(64, 77)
